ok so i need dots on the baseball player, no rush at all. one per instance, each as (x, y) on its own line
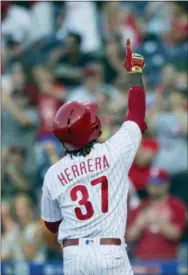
(84, 195)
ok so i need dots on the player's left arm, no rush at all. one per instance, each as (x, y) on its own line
(50, 211)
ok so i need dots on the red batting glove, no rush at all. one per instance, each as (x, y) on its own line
(134, 63)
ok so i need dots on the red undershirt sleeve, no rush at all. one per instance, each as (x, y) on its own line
(53, 226)
(137, 107)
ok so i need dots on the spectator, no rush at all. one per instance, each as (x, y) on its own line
(81, 18)
(133, 198)
(64, 58)
(69, 61)
(181, 84)
(170, 127)
(19, 124)
(115, 110)
(93, 88)
(178, 24)
(42, 26)
(16, 27)
(54, 249)
(140, 168)
(175, 40)
(30, 237)
(14, 79)
(158, 223)
(113, 60)
(121, 21)
(156, 55)
(158, 14)
(14, 179)
(168, 80)
(52, 152)
(10, 246)
(132, 26)
(50, 96)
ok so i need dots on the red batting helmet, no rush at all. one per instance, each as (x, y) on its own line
(76, 124)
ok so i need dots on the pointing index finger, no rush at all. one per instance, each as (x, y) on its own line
(128, 47)
(128, 43)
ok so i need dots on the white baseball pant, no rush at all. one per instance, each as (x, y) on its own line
(91, 258)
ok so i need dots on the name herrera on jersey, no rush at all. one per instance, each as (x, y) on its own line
(85, 167)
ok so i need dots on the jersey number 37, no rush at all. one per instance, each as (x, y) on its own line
(84, 201)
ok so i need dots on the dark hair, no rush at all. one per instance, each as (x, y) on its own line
(84, 151)
(76, 36)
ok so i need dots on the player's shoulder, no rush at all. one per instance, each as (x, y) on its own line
(54, 168)
(102, 149)
(128, 132)
(131, 126)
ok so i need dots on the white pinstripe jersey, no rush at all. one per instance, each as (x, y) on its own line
(89, 194)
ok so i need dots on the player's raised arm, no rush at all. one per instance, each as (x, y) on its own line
(126, 141)
(134, 65)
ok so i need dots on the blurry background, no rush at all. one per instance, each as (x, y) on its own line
(53, 52)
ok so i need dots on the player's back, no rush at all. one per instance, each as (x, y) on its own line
(91, 191)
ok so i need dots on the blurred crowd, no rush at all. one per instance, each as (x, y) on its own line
(53, 52)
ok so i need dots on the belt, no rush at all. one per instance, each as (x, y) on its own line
(103, 241)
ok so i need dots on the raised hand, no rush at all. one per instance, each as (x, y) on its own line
(133, 63)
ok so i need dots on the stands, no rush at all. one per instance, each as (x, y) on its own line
(43, 67)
